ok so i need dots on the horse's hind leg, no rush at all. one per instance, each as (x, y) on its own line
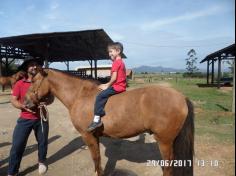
(93, 145)
(166, 149)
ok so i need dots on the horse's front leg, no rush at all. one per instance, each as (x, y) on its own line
(93, 144)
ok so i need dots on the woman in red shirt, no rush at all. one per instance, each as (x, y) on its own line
(28, 121)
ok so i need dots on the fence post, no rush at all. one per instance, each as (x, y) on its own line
(1, 86)
(233, 102)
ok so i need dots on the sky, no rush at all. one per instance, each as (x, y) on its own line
(153, 32)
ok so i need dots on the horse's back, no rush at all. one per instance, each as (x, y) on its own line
(143, 109)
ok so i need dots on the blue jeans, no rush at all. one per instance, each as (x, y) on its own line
(20, 136)
(101, 100)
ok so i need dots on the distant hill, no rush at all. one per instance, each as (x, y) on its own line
(157, 69)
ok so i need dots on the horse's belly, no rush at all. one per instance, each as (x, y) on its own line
(122, 126)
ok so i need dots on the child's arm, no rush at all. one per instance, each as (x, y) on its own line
(112, 80)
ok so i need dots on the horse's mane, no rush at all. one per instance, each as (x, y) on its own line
(91, 80)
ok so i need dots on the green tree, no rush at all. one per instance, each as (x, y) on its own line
(191, 62)
(12, 68)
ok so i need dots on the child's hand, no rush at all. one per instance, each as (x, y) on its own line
(103, 86)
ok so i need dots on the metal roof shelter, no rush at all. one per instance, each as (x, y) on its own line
(87, 45)
(227, 53)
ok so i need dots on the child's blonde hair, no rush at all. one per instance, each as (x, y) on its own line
(116, 46)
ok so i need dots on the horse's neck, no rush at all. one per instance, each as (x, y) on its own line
(68, 89)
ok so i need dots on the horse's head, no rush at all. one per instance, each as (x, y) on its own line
(38, 90)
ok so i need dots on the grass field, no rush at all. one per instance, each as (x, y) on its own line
(214, 122)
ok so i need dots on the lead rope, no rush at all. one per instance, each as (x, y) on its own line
(43, 117)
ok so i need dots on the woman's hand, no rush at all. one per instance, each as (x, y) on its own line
(24, 107)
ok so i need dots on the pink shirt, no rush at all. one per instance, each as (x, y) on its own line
(19, 90)
(120, 84)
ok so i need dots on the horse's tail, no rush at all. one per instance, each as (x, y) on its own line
(184, 145)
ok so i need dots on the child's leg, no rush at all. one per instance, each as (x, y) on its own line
(100, 103)
(101, 100)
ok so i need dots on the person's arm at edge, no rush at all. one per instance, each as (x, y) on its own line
(18, 105)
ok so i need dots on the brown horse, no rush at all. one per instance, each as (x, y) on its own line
(162, 111)
(11, 80)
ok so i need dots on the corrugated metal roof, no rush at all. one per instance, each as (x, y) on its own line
(227, 50)
(63, 46)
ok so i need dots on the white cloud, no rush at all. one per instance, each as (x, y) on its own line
(157, 24)
(54, 6)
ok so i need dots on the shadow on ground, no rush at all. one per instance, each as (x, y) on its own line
(115, 149)
(134, 151)
(29, 149)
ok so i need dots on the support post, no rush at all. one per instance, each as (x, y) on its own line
(0, 60)
(46, 63)
(1, 70)
(212, 72)
(91, 64)
(233, 102)
(208, 71)
(219, 73)
(47, 56)
(95, 67)
(7, 66)
(67, 65)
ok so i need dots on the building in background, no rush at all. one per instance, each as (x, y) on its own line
(103, 71)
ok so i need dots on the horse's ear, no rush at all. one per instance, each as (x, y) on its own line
(42, 71)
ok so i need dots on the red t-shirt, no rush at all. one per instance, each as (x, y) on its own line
(19, 90)
(120, 84)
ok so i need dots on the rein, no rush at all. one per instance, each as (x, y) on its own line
(43, 110)
(43, 116)
(36, 92)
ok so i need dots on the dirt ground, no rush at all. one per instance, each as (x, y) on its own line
(67, 154)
